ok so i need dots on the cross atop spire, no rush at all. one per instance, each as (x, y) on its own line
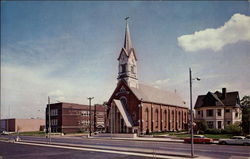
(127, 40)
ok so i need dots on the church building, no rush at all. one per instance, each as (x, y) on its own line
(138, 108)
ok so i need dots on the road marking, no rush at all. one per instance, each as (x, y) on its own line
(105, 151)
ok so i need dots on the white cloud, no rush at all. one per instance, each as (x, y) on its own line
(235, 30)
(26, 89)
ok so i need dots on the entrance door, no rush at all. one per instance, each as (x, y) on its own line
(122, 126)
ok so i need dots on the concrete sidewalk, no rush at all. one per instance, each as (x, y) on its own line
(139, 139)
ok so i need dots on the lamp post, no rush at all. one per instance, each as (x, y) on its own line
(90, 98)
(49, 120)
(191, 113)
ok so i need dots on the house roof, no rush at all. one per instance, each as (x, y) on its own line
(218, 99)
(155, 95)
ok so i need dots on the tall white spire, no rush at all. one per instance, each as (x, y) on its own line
(127, 40)
(127, 61)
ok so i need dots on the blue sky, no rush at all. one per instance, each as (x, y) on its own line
(69, 50)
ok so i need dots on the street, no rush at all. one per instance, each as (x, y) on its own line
(111, 147)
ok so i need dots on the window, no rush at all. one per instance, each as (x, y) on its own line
(228, 122)
(227, 110)
(210, 112)
(218, 112)
(54, 122)
(124, 101)
(172, 119)
(199, 112)
(53, 112)
(165, 117)
(219, 124)
(133, 69)
(157, 118)
(123, 68)
(236, 115)
(146, 112)
(210, 124)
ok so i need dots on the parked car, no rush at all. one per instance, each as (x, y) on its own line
(199, 139)
(235, 140)
(248, 137)
(4, 133)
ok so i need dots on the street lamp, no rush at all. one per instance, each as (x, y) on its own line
(90, 98)
(191, 113)
(49, 120)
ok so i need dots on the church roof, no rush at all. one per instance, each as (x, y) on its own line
(155, 95)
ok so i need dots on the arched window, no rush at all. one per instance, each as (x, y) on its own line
(179, 125)
(157, 118)
(165, 118)
(124, 101)
(123, 68)
(146, 112)
(172, 119)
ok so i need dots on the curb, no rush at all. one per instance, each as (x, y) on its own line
(134, 139)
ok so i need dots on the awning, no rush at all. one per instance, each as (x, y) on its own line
(125, 115)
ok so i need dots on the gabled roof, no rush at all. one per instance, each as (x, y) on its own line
(217, 99)
(155, 95)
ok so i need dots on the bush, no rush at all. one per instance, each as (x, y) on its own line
(213, 131)
(201, 132)
(234, 129)
(201, 125)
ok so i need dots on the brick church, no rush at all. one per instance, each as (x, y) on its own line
(137, 108)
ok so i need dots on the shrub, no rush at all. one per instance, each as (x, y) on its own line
(201, 125)
(213, 131)
(234, 129)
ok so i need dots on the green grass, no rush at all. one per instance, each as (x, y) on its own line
(185, 135)
(219, 136)
(212, 136)
(31, 133)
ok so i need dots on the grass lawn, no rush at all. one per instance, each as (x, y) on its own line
(184, 135)
(212, 136)
(32, 133)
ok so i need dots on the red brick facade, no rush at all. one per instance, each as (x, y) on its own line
(147, 116)
(71, 118)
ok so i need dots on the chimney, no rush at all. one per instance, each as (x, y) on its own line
(224, 92)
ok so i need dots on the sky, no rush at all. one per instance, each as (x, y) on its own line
(69, 50)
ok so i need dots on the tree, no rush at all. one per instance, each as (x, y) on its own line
(201, 126)
(245, 103)
(233, 129)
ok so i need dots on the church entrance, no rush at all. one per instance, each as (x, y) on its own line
(120, 120)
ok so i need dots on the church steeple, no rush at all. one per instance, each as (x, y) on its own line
(127, 39)
(127, 60)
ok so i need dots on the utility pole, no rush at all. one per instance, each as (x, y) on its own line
(111, 124)
(90, 98)
(49, 120)
(191, 113)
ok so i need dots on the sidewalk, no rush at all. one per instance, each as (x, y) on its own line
(139, 139)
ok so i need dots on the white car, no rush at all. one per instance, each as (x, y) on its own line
(235, 140)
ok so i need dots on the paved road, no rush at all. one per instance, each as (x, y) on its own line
(203, 150)
(17, 151)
